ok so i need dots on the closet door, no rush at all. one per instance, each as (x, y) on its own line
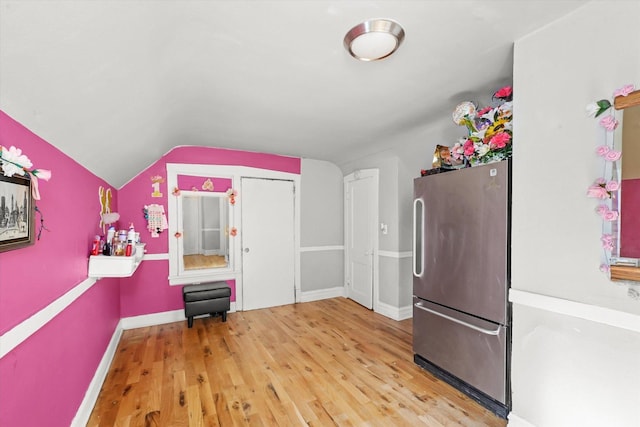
(268, 248)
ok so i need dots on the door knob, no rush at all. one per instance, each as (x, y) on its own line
(246, 250)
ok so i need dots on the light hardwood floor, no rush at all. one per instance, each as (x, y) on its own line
(322, 363)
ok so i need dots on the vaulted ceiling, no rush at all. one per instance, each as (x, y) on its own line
(116, 84)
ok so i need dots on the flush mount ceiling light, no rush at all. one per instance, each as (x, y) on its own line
(374, 39)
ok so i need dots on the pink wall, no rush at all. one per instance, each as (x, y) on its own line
(148, 290)
(630, 221)
(44, 379)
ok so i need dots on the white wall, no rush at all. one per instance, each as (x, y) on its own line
(321, 226)
(570, 367)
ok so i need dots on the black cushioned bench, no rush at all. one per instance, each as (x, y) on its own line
(212, 298)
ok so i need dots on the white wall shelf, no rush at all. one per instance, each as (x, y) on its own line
(115, 266)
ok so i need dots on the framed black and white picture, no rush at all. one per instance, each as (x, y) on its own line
(17, 226)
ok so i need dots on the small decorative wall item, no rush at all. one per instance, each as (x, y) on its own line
(176, 191)
(233, 232)
(156, 180)
(106, 216)
(207, 185)
(231, 194)
(156, 219)
(489, 130)
(607, 186)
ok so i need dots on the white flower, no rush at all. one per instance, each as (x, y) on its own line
(465, 109)
(15, 161)
(506, 108)
(482, 149)
(592, 109)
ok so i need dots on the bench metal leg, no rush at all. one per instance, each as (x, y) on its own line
(190, 321)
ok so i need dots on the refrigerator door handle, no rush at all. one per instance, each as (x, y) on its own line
(458, 321)
(418, 239)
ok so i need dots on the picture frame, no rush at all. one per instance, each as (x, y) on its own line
(17, 222)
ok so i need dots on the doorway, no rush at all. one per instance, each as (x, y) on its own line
(361, 236)
(268, 242)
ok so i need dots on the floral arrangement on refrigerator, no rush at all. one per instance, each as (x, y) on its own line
(490, 137)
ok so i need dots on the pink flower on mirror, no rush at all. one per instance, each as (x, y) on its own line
(613, 155)
(602, 150)
(610, 216)
(607, 242)
(597, 191)
(612, 186)
(604, 268)
(624, 90)
(601, 209)
(609, 123)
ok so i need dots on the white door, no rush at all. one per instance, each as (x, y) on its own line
(361, 235)
(268, 250)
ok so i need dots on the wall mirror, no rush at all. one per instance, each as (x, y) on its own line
(627, 262)
(205, 231)
(201, 225)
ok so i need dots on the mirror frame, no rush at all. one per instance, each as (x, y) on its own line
(177, 274)
(621, 271)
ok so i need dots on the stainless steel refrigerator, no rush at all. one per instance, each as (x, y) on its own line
(461, 273)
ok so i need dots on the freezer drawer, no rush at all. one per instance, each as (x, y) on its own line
(473, 350)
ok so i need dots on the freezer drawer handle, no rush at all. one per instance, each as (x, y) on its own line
(453, 319)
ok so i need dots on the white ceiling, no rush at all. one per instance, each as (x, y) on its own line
(116, 84)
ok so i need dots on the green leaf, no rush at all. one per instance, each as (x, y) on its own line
(604, 105)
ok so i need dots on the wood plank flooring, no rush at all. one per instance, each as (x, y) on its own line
(322, 363)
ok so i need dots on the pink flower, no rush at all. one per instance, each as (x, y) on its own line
(624, 90)
(612, 186)
(597, 191)
(457, 151)
(469, 149)
(499, 140)
(607, 242)
(604, 268)
(600, 181)
(609, 123)
(602, 150)
(610, 216)
(613, 155)
(602, 209)
(484, 111)
(504, 92)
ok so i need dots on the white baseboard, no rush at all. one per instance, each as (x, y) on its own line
(91, 396)
(320, 294)
(395, 313)
(516, 421)
(152, 319)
